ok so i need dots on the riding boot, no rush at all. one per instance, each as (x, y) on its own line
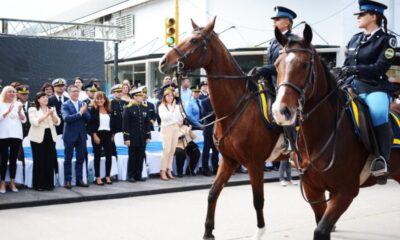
(380, 165)
(289, 133)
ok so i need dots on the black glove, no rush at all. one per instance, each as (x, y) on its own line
(348, 71)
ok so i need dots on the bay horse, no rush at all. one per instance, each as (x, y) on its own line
(239, 132)
(331, 157)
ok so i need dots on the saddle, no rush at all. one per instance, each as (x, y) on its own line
(265, 100)
(362, 123)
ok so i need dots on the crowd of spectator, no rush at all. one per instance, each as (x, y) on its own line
(83, 109)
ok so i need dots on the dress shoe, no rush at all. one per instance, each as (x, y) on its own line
(141, 179)
(109, 182)
(169, 174)
(132, 180)
(180, 175)
(99, 183)
(81, 184)
(207, 173)
(39, 189)
(68, 185)
(163, 175)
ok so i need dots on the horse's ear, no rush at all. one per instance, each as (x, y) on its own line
(194, 25)
(282, 39)
(210, 26)
(307, 34)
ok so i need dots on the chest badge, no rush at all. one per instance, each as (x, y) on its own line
(392, 42)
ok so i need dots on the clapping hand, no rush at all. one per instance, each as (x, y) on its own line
(83, 108)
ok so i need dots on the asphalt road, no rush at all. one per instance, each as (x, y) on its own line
(375, 214)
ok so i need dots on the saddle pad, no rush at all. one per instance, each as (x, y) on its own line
(395, 122)
(264, 103)
(355, 114)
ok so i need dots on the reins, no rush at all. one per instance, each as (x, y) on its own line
(242, 103)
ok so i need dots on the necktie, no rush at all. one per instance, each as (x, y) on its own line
(60, 99)
(198, 104)
(365, 37)
(24, 108)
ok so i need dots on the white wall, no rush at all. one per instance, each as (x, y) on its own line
(333, 20)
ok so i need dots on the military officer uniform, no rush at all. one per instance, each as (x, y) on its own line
(117, 108)
(57, 101)
(369, 56)
(136, 128)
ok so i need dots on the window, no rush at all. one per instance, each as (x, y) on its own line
(128, 22)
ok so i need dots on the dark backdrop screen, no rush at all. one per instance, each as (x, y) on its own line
(35, 61)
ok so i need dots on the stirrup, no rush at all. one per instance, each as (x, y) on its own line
(379, 167)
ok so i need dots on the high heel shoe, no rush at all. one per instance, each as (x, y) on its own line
(163, 176)
(99, 183)
(169, 174)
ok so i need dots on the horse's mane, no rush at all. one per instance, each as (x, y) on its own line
(329, 76)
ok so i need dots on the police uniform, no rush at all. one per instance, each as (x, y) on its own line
(91, 88)
(151, 109)
(268, 71)
(24, 89)
(136, 127)
(54, 101)
(368, 58)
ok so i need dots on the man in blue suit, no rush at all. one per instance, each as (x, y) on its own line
(75, 117)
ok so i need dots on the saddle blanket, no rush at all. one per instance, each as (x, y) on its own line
(265, 102)
(393, 117)
(395, 122)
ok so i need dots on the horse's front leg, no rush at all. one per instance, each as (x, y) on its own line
(225, 171)
(336, 207)
(317, 200)
(256, 173)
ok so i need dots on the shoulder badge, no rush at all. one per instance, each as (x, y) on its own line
(389, 53)
(393, 42)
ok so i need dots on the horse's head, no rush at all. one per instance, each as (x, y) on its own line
(191, 53)
(295, 76)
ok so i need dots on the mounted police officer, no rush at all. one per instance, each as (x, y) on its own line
(136, 127)
(369, 55)
(283, 20)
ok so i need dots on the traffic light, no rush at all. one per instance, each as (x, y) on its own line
(170, 32)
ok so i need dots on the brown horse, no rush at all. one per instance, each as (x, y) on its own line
(239, 132)
(332, 157)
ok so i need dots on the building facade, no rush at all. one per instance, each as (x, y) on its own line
(244, 26)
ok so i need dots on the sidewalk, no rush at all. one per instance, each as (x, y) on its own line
(122, 189)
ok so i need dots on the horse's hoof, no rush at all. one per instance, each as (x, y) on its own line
(259, 234)
(209, 237)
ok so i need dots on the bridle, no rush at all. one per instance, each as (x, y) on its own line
(311, 82)
(242, 103)
(310, 79)
(203, 44)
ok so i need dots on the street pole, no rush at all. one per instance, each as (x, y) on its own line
(177, 22)
(116, 80)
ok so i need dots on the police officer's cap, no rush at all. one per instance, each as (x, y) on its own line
(91, 88)
(195, 89)
(203, 83)
(116, 88)
(143, 89)
(370, 6)
(23, 89)
(136, 92)
(58, 82)
(282, 12)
